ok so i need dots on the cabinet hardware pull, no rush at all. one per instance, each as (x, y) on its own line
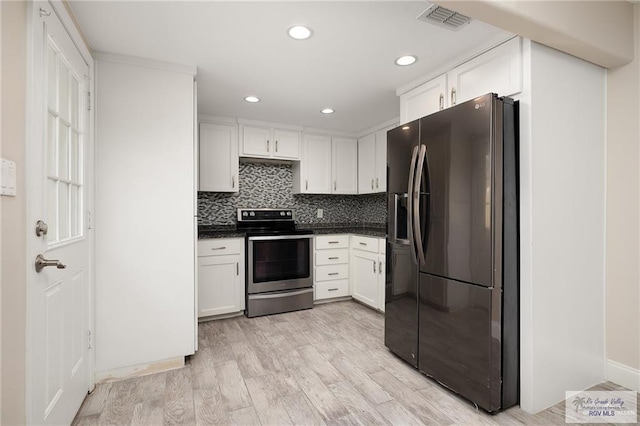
(306, 184)
(332, 273)
(380, 267)
(218, 248)
(267, 145)
(441, 103)
(233, 181)
(334, 242)
(332, 289)
(363, 244)
(371, 183)
(334, 258)
(276, 145)
(453, 96)
(374, 266)
(335, 185)
(377, 184)
(237, 268)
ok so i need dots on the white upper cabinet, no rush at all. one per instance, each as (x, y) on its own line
(218, 158)
(286, 144)
(265, 142)
(313, 174)
(367, 164)
(344, 166)
(381, 161)
(424, 99)
(498, 70)
(372, 163)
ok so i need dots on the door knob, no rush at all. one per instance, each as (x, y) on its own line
(41, 228)
(42, 263)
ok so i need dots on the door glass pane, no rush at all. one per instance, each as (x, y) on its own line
(73, 219)
(74, 175)
(52, 140)
(63, 151)
(75, 100)
(51, 80)
(52, 210)
(63, 91)
(63, 210)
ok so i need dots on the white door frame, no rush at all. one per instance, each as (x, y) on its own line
(33, 131)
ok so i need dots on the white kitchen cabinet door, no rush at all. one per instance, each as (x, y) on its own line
(425, 99)
(286, 144)
(314, 170)
(256, 141)
(381, 161)
(218, 158)
(498, 70)
(344, 166)
(367, 164)
(364, 277)
(220, 285)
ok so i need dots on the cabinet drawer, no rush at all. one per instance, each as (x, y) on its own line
(220, 246)
(359, 242)
(332, 241)
(332, 272)
(332, 257)
(329, 289)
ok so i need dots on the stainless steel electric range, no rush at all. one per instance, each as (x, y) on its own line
(279, 262)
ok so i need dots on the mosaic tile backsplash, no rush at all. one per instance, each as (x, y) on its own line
(267, 185)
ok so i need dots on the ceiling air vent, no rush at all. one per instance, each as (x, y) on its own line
(445, 18)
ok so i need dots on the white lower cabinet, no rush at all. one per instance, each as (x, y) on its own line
(220, 276)
(368, 270)
(331, 277)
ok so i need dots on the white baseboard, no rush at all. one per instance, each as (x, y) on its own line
(623, 375)
(139, 370)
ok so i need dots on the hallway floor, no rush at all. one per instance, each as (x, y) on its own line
(327, 365)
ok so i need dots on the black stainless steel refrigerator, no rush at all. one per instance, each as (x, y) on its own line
(452, 285)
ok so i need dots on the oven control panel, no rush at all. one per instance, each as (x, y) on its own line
(262, 215)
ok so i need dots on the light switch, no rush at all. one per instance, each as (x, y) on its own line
(8, 178)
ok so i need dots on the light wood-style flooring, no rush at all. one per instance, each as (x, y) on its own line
(327, 365)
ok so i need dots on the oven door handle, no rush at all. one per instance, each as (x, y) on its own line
(280, 237)
(281, 294)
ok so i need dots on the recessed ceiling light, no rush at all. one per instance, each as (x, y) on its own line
(327, 111)
(252, 99)
(406, 128)
(406, 60)
(299, 32)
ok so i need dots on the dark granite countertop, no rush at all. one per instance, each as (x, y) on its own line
(367, 229)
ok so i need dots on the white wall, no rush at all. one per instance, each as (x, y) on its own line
(145, 285)
(562, 226)
(13, 322)
(623, 220)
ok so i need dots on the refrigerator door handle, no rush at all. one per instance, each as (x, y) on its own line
(416, 205)
(412, 170)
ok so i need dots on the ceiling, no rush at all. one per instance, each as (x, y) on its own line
(242, 48)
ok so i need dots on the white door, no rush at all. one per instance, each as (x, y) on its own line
(287, 144)
(58, 306)
(425, 99)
